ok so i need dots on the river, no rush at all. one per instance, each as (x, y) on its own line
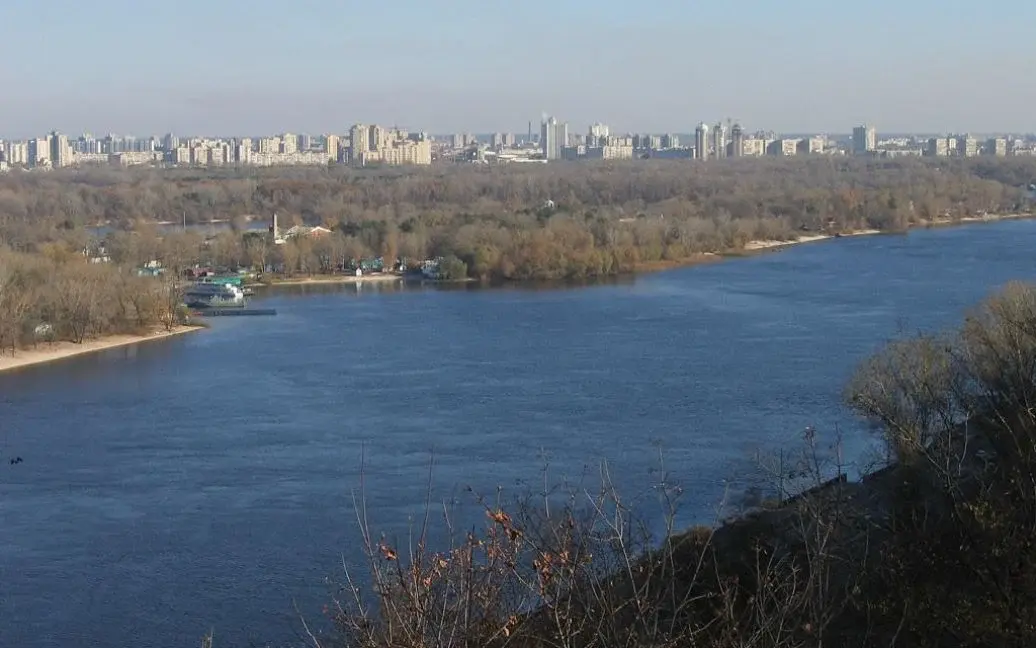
(206, 481)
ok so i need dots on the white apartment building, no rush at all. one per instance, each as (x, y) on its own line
(753, 147)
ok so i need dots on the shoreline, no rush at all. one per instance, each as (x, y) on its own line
(53, 352)
(331, 279)
(752, 248)
(755, 246)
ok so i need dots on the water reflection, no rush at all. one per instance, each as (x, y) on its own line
(417, 284)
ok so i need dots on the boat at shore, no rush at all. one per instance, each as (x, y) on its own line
(214, 295)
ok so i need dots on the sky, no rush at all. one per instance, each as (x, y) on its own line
(249, 67)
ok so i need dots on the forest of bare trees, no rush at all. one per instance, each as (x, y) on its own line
(506, 223)
(809, 189)
(57, 294)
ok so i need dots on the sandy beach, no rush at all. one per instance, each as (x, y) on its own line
(765, 245)
(61, 350)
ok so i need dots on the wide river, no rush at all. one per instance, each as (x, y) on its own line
(206, 482)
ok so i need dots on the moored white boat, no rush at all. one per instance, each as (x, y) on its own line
(213, 295)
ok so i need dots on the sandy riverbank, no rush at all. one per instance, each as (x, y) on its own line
(762, 246)
(333, 279)
(750, 248)
(765, 245)
(61, 350)
(969, 220)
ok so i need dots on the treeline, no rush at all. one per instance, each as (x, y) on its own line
(58, 295)
(935, 550)
(527, 221)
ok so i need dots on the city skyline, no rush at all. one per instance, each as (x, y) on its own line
(846, 132)
(374, 144)
(802, 66)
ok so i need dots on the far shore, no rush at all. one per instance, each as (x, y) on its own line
(52, 352)
(329, 279)
(214, 221)
(752, 248)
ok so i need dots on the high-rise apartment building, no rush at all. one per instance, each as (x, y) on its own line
(86, 144)
(812, 145)
(217, 156)
(199, 155)
(17, 153)
(753, 146)
(270, 145)
(243, 152)
(937, 147)
(376, 144)
(701, 142)
(60, 150)
(39, 152)
(289, 144)
(997, 146)
(865, 140)
(737, 141)
(967, 146)
(379, 137)
(405, 151)
(719, 140)
(332, 146)
(553, 138)
(783, 147)
(359, 143)
(597, 135)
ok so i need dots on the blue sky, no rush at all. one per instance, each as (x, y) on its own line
(234, 67)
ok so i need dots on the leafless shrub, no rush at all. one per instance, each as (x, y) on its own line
(582, 568)
(574, 567)
(959, 412)
(910, 388)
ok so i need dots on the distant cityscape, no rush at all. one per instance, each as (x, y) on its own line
(372, 145)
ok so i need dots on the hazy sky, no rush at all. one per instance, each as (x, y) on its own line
(235, 67)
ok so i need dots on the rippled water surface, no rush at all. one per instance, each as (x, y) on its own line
(207, 481)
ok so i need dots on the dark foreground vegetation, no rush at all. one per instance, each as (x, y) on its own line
(938, 549)
(520, 222)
